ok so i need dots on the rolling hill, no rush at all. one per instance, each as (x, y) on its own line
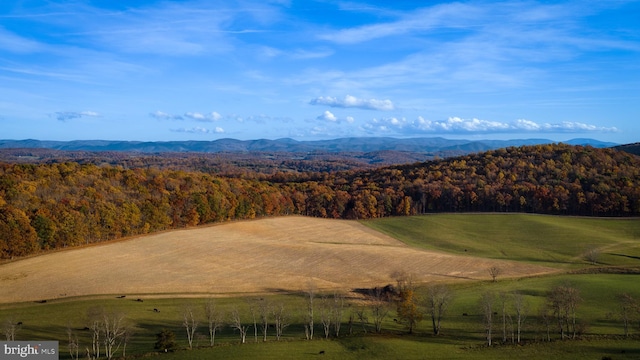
(261, 256)
(360, 144)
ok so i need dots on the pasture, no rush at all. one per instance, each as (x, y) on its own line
(554, 241)
(263, 256)
(276, 259)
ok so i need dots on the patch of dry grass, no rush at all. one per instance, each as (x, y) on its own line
(258, 256)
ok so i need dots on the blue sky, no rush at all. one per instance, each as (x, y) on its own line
(204, 70)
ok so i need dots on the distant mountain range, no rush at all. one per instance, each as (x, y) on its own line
(434, 145)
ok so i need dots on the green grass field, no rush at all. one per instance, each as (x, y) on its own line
(548, 240)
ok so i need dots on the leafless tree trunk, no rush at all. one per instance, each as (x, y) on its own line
(325, 315)
(190, 323)
(521, 307)
(254, 316)
(279, 319)
(94, 316)
(380, 307)
(114, 329)
(236, 323)
(74, 345)
(128, 334)
(338, 311)
(545, 318)
(10, 328)
(215, 320)
(361, 315)
(503, 304)
(311, 293)
(438, 299)
(563, 301)
(264, 308)
(352, 317)
(487, 304)
(495, 271)
(629, 309)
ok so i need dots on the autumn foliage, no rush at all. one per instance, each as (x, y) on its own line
(56, 205)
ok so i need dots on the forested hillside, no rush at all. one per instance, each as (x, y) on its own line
(48, 206)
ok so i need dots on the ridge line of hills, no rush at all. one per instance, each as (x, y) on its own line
(436, 145)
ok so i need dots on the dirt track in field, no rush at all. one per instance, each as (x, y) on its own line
(258, 256)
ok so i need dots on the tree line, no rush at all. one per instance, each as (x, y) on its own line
(57, 205)
(501, 317)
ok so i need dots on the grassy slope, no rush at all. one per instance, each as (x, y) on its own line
(462, 336)
(545, 240)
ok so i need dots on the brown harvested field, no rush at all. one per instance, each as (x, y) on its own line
(258, 256)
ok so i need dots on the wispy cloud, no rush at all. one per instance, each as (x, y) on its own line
(445, 15)
(354, 102)
(70, 115)
(199, 130)
(17, 44)
(213, 116)
(161, 115)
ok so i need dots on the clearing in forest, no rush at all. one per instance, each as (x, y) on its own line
(259, 256)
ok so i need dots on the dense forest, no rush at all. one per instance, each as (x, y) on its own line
(54, 205)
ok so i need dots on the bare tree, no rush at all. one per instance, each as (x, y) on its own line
(352, 318)
(592, 255)
(253, 311)
(10, 328)
(521, 307)
(128, 334)
(73, 344)
(280, 321)
(380, 306)
(264, 309)
(437, 300)
(338, 311)
(310, 294)
(545, 318)
(190, 323)
(361, 315)
(326, 314)
(236, 323)
(629, 309)
(94, 319)
(114, 328)
(215, 320)
(495, 271)
(563, 301)
(487, 304)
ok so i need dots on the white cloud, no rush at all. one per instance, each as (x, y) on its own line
(327, 116)
(213, 116)
(160, 115)
(354, 102)
(199, 130)
(69, 115)
(469, 126)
